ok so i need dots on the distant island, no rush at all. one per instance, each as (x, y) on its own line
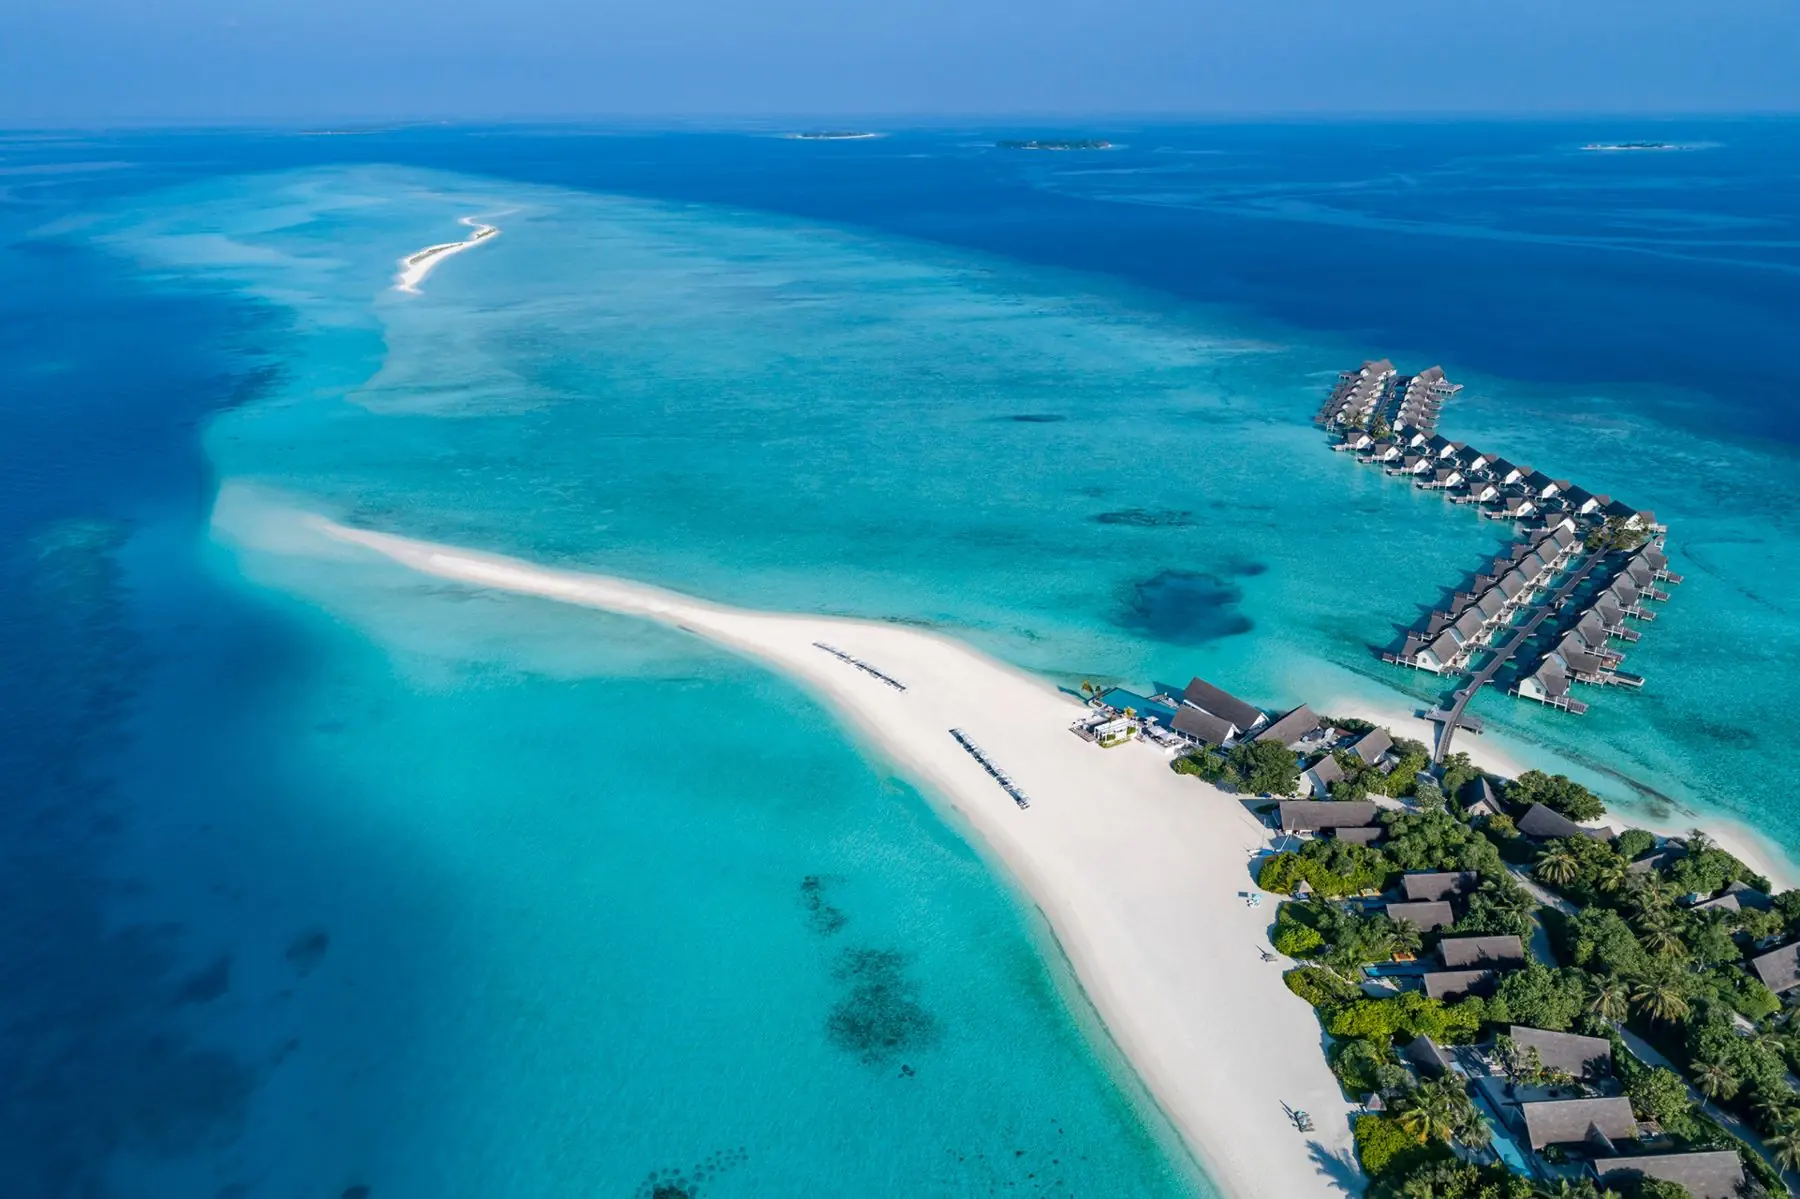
(1633, 146)
(831, 135)
(1086, 143)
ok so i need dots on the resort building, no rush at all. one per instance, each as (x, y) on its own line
(1317, 778)
(1480, 953)
(1455, 984)
(1428, 917)
(1293, 728)
(1598, 1122)
(1423, 886)
(1246, 718)
(1203, 727)
(1586, 1058)
(1311, 816)
(1739, 896)
(1359, 394)
(1779, 969)
(1373, 746)
(1709, 1174)
(1546, 824)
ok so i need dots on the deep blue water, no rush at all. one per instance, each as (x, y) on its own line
(319, 879)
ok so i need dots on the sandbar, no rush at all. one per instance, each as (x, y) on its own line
(414, 267)
(1139, 872)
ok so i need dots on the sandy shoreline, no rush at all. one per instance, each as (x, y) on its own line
(1136, 869)
(416, 266)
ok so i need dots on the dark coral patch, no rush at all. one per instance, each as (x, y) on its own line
(1185, 607)
(208, 985)
(1037, 418)
(881, 1016)
(307, 950)
(822, 916)
(1147, 518)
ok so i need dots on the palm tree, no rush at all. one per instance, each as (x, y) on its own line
(1698, 842)
(1431, 1111)
(1611, 876)
(1714, 1081)
(1660, 998)
(1609, 1000)
(1784, 1143)
(1651, 894)
(1659, 936)
(1558, 865)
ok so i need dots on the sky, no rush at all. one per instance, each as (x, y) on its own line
(73, 62)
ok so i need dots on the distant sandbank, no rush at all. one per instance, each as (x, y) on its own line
(414, 267)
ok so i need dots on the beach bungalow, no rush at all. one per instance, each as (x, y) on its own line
(1356, 439)
(1440, 654)
(1373, 746)
(1312, 816)
(1598, 1122)
(1208, 698)
(1738, 897)
(1454, 984)
(1545, 824)
(1481, 953)
(1202, 727)
(1358, 393)
(1386, 450)
(1779, 969)
(1292, 728)
(1429, 916)
(1484, 801)
(1425, 885)
(1429, 1056)
(1318, 777)
(1707, 1174)
(1585, 1058)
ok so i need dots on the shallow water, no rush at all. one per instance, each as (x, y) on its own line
(480, 893)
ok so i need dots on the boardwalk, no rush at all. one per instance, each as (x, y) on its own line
(1453, 719)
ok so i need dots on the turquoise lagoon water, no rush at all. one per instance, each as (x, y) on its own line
(386, 883)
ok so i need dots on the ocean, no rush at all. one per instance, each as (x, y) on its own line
(327, 880)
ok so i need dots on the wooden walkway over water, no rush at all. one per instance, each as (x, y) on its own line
(1452, 718)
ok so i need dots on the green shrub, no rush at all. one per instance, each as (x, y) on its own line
(1296, 940)
(1660, 1095)
(1320, 987)
(1409, 1014)
(1538, 997)
(1634, 843)
(1558, 792)
(1381, 1143)
(1364, 1067)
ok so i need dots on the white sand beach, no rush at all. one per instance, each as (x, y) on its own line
(414, 267)
(1138, 870)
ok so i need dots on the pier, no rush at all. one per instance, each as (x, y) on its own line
(1000, 776)
(1453, 718)
(861, 665)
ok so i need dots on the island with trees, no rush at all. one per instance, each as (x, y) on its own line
(1524, 1004)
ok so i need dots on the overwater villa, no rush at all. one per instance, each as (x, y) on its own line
(1567, 534)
